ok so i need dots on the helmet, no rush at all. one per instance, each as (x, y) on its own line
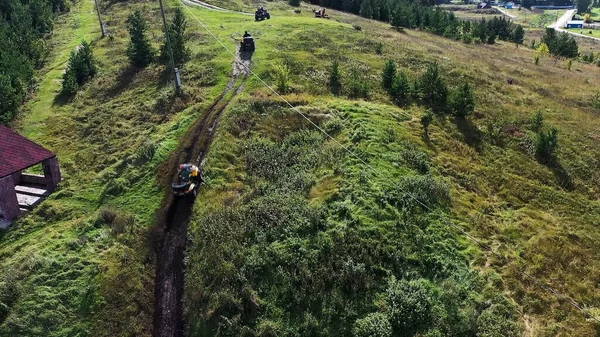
(181, 166)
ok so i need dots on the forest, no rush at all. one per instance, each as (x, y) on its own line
(24, 25)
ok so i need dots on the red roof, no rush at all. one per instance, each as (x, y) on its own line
(18, 153)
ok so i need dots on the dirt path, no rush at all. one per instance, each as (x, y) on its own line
(562, 22)
(168, 316)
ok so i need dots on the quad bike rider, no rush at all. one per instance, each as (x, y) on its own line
(261, 14)
(188, 180)
(320, 13)
(247, 43)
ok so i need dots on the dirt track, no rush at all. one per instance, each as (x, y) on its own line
(168, 315)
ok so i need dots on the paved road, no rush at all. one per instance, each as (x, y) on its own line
(505, 12)
(561, 23)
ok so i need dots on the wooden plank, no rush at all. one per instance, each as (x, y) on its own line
(31, 190)
(28, 200)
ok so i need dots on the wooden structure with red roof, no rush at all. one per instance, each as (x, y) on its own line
(20, 191)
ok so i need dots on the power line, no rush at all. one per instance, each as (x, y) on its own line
(442, 217)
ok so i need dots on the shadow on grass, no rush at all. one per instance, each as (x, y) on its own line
(470, 132)
(62, 99)
(123, 80)
(563, 177)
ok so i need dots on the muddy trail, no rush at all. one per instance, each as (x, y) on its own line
(170, 268)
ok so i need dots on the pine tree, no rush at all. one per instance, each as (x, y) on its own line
(178, 39)
(140, 51)
(335, 78)
(462, 101)
(400, 89)
(366, 9)
(389, 73)
(432, 89)
(518, 34)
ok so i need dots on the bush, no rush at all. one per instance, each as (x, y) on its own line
(462, 101)
(418, 192)
(415, 158)
(282, 77)
(379, 48)
(426, 121)
(357, 27)
(499, 319)
(373, 325)
(546, 145)
(335, 78)
(411, 304)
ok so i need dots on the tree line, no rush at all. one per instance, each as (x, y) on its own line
(23, 26)
(421, 14)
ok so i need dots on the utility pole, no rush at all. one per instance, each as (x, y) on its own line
(175, 70)
(100, 19)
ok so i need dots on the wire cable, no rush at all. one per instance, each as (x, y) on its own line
(442, 217)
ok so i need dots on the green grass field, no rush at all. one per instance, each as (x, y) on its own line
(292, 235)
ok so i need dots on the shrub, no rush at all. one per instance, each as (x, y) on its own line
(467, 38)
(415, 158)
(373, 325)
(462, 101)
(546, 144)
(379, 48)
(389, 73)
(427, 191)
(499, 319)
(69, 84)
(139, 50)
(282, 77)
(357, 27)
(335, 78)
(518, 34)
(432, 89)
(411, 304)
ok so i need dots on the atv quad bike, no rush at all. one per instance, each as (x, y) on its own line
(261, 14)
(188, 181)
(320, 13)
(247, 44)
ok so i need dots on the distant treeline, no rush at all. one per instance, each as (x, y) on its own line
(23, 26)
(422, 14)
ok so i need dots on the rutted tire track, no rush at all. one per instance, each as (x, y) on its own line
(169, 283)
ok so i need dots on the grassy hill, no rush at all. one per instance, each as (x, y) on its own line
(292, 235)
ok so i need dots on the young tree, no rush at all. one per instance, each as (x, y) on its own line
(335, 78)
(432, 89)
(400, 88)
(140, 50)
(546, 144)
(389, 73)
(518, 34)
(462, 101)
(80, 68)
(177, 38)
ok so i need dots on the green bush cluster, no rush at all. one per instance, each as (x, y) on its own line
(81, 67)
